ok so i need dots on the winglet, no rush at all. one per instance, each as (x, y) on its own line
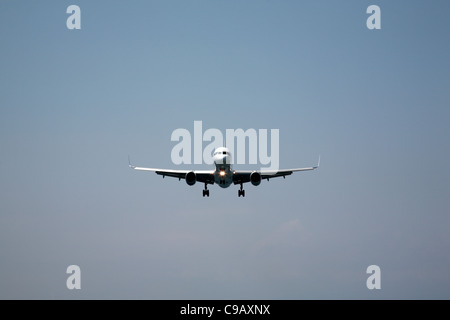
(318, 164)
(129, 163)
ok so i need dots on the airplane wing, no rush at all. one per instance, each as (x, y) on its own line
(244, 176)
(205, 176)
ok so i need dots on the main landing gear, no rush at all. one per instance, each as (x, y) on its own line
(241, 192)
(206, 191)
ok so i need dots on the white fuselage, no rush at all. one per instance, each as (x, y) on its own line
(223, 175)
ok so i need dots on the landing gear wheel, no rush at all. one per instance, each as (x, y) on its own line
(241, 192)
(206, 191)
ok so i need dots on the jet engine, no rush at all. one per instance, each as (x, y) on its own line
(255, 178)
(190, 178)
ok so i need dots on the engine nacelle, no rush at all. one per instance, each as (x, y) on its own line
(190, 178)
(255, 178)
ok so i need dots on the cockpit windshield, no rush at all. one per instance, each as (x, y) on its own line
(221, 152)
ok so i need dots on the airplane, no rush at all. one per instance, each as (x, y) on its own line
(223, 174)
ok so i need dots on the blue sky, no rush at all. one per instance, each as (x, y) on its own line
(373, 103)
